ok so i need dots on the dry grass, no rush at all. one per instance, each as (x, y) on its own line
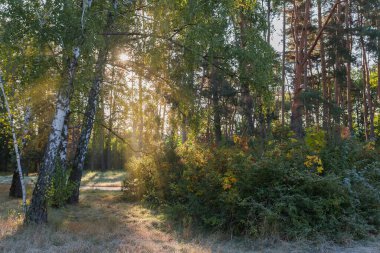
(103, 179)
(90, 178)
(102, 222)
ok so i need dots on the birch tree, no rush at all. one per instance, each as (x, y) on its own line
(37, 211)
(15, 143)
(89, 117)
(16, 185)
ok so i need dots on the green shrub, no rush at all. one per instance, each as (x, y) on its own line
(274, 193)
(150, 176)
(60, 189)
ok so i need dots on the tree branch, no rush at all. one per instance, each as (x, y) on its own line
(307, 56)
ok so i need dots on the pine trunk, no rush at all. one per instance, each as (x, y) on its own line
(337, 79)
(283, 64)
(325, 111)
(348, 67)
(365, 105)
(371, 110)
(301, 19)
(247, 101)
(216, 107)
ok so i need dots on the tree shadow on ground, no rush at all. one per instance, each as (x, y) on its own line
(107, 178)
(104, 222)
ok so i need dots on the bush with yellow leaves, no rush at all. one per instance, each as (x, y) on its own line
(237, 189)
(315, 163)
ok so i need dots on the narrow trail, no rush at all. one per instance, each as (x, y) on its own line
(105, 222)
(91, 181)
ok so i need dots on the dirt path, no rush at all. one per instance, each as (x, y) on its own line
(105, 222)
(110, 181)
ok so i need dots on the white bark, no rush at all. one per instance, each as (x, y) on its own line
(89, 117)
(15, 145)
(37, 211)
(14, 190)
(88, 123)
(27, 117)
(64, 143)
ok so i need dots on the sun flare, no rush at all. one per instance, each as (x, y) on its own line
(124, 57)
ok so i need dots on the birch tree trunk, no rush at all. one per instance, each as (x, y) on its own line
(88, 123)
(89, 117)
(37, 211)
(15, 144)
(16, 186)
(64, 143)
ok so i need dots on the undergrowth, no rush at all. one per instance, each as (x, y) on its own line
(60, 189)
(292, 189)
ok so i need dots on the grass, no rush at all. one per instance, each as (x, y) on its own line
(89, 179)
(104, 222)
(103, 179)
(100, 223)
(5, 173)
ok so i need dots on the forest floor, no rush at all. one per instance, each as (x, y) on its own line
(92, 180)
(105, 222)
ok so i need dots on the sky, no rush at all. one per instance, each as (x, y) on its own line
(276, 37)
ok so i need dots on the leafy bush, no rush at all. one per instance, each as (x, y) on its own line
(60, 189)
(150, 176)
(291, 190)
